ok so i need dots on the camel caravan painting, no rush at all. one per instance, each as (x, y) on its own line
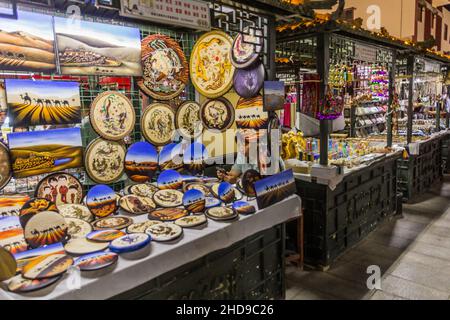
(33, 103)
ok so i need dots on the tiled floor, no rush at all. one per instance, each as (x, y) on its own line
(413, 253)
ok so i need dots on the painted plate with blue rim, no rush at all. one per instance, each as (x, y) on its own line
(130, 242)
(225, 192)
(101, 201)
(141, 162)
(194, 201)
(170, 179)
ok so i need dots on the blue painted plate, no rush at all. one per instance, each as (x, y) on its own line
(243, 207)
(130, 242)
(170, 157)
(194, 201)
(96, 261)
(141, 162)
(101, 201)
(226, 192)
(194, 157)
(212, 202)
(170, 179)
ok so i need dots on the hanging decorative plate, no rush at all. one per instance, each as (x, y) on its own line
(11, 235)
(101, 201)
(164, 231)
(210, 66)
(137, 205)
(221, 213)
(246, 47)
(249, 82)
(104, 160)
(248, 180)
(34, 206)
(144, 190)
(171, 157)
(170, 179)
(250, 114)
(197, 186)
(167, 214)
(168, 198)
(141, 162)
(212, 202)
(188, 121)
(116, 222)
(141, 227)
(10, 205)
(60, 188)
(5, 168)
(166, 70)
(19, 284)
(130, 242)
(96, 261)
(82, 246)
(191, 221)
(158, 123)
(112, 115)
(243, 207)
(77, 211)
(45, 228)
(77, 228)
(105, 235)
(8, 265)
(195, 157)
(194, 201)
(217, 114)
(47, 266)
(225, 192)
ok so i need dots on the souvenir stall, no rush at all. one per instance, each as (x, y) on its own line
(102, 185)
(348, 183)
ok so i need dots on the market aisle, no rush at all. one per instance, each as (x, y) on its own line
(413, 253)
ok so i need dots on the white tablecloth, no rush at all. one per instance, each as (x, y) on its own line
(195, 244)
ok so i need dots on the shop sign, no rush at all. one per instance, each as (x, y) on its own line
(187, 13)
(365, 53)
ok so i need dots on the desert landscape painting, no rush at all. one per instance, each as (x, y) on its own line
(38, 152)
(27, 44)
(33, 103)
(275, 188)
(90, 48)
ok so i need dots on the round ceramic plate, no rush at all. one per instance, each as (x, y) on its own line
(116, 222)
(96, 261)
(137, 205)
(77, 228)
(171, 157)
(221, 213)
(19, 284)
(188, 121)
(112, 115)
(226, 192)
(243, 207)
(34, 206)
(165, 68)
(8, 265)
(194, 201)
(191, 221)
(47, 266)
(246, 47)
(217, 114)
(45, 228)
(158, 123)
(101, 201)
(77, 211)
(210, 66)
(170, 179)
(195, 157)
(141, 162)
(105, 235)
(212, 202)
(142, 226)
(82, 246)
(168, 214)
(168, 198)
(104, 160)
(197, 186)
(130, 242)
(164, 231)
(248, 182)
(61, 188)
(249, 82)
(5, 168)
(250, 114)
(144, 190)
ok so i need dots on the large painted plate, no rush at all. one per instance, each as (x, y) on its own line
(112, 115)
(61, 188)
(250, 114)
(166, 70)
(158, 124)
(246, 48)
(249, 82)
(210, 66)
(141, 162)
(5, 168)
(188, 121)
(105, 160)
(217, 114)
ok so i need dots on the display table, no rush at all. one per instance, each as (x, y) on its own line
(263, 231)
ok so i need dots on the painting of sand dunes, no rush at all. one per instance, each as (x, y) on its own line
(89, 48)
(27, 44)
